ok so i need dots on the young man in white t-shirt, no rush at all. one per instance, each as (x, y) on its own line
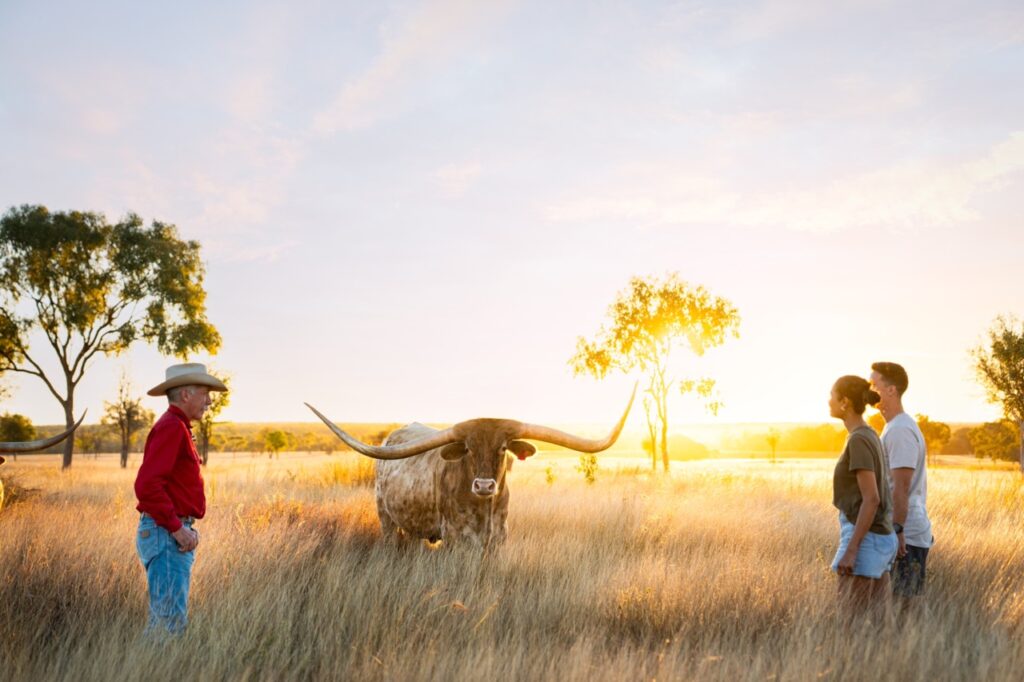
(906, 452)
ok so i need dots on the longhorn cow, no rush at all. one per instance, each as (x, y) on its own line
(450, 484)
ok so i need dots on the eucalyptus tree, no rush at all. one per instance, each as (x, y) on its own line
(126, 415)
(999, 364)
(649, 322)
(73, 285)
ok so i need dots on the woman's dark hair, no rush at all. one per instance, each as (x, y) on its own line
(858, 391)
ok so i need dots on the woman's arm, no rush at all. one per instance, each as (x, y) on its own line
(868, 485)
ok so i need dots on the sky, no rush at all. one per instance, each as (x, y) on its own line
(412, 210)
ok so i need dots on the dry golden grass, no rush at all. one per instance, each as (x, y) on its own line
(719, 573)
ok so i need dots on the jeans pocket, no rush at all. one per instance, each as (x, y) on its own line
(149, 541)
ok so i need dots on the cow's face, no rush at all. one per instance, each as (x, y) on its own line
(485, 450)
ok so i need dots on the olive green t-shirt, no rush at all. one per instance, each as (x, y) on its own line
(863, 451)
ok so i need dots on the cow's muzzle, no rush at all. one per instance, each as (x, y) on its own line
(485, 487)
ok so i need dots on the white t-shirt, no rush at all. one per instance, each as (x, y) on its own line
(905, 449)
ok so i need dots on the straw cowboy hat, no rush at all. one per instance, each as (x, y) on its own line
(188, 374)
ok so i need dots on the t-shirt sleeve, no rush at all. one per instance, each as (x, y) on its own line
(861, 456)
(901, 447)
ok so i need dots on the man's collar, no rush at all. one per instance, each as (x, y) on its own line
(180, 414)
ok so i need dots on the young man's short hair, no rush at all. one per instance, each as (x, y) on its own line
(893, 374)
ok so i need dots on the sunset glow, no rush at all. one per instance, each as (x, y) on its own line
(412, 211)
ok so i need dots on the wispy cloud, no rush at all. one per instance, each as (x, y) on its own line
(914, 194)
(775, 17)
(265, 253)
(243, 180)
(455, 178)
(250, 97)
(413, 45)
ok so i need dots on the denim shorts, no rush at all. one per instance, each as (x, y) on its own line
(876, 553)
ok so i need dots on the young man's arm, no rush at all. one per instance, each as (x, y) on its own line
(901, 449)
(901, 478)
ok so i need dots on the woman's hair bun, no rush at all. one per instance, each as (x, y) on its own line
(858, 391)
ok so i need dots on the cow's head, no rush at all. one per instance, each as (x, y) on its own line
(483, 444)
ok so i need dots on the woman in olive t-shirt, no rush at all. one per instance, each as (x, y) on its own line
(860, 491)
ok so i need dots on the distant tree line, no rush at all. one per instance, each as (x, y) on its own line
(228, 438)
(998, 440)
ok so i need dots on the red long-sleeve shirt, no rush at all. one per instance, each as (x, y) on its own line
(169, 483)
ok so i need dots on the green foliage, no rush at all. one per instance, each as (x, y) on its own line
(275, 441)
(236, 437)
(89, 441)
(649, 320)
(959, 443)
(995, 440)
(936, 434)
(1000, 368)
(94, 287)
(588, 467)
(16, 427)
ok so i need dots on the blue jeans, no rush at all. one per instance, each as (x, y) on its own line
(168, 572)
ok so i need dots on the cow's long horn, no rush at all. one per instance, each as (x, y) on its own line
(41, 444)
(568, 440)
(399, 451)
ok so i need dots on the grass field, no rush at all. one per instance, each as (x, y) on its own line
(719, 572)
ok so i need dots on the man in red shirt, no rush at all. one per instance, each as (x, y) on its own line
(169, 488)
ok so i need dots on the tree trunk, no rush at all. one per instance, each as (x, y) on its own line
(654, 449)
(664, 444)
(1020, 432)
(663, 417)
(126, 438)
(652, 433)
(69, 421)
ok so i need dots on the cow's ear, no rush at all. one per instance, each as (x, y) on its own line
(521, 449)
(2, 460)
(453, 451)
